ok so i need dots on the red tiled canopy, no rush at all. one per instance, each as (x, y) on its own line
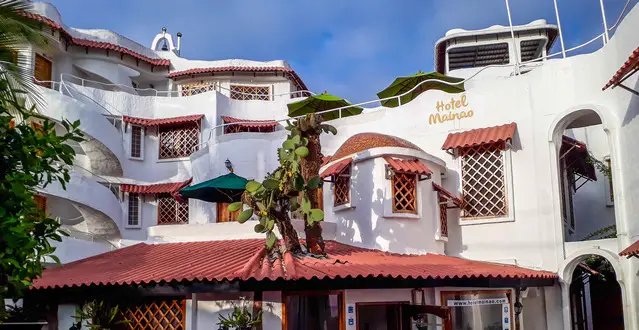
(408, 166)
(247, 259)
(257, 124)
(158, 188)
(576, 156)
(447, 194)
(632, 250)
(480, 136)
(162, 121)
(364, 141)
(336, 168)
(628, 68)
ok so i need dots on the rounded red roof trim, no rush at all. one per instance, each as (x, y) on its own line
(364, 141)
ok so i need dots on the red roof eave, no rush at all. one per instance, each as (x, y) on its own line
(198, 71)
(243, 260)
(95, 44)
(456, 200)
(336, 168)
(632, 250)
(158, 188)
(408, 166)
(630, 66)
(250, 123)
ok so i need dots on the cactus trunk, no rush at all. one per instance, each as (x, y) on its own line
(310, 167)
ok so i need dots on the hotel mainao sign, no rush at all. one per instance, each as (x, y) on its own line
(456, 108)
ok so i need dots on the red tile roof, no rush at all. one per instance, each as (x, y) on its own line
(631, 65)
(162, 121)
(95, 44)
(632, 250)
(247, 259)
(250, 123)
(456, 200)
(577, 157)
(197, 71)
(158, 188)
(408, 166)
(364, 141)
(336, 168)
(480, 136)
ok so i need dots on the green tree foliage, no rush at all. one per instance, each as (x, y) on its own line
(32, 157)
(285, 190)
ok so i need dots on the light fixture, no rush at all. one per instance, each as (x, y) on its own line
(518, 307)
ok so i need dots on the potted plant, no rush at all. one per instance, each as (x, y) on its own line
(98, 316)
(240, 318)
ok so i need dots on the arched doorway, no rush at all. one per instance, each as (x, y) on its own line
(595, 295)
(584, 161)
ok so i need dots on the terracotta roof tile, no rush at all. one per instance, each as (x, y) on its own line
(364, 141)
(577, 157)
(198, 71)
(632, 250)
(250, 123)
(158, 188)
(629, 66)
(408, 166)
(161, 121)
(336, 168)
(95, 44)
(480, 136)
(247, 259)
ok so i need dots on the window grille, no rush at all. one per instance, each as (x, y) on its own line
(241, 92)
(194, 89)
(342, 187)
(404, 193)
(443, 216)
(156, 315)
(179, 141)
(136, 141)
(483, 181)
(42, 70)
(134, 210)
(170, 211)
(611, 194)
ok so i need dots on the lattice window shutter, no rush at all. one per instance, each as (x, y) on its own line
(404, 193)
(170, 211)
(484, 181)
(179, 141)
(156, 315)
(342, 187)
(241, 92)
(443, 216)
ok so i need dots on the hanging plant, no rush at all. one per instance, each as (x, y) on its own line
(97, 315)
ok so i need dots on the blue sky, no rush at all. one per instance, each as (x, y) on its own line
(350, 48)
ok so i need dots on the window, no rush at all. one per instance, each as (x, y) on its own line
(156, 314)
(42, 71)
(224, 215)
(41, 202)
(178, 141)
(170, 211)
(381, 315)
(489, 309)
(342, 187)
(443, 216)
(134, 209)
(194, 89)
(313, 311)
(404, 193)
(240, 92)
(484, 181)
(137, 141)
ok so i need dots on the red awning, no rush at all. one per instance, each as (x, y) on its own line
(447, 194)
(628, 68)
(632, 250)
(336, 168)
(257, 124)
(161, 121)
(326, 160)
(575, 154)
(480, 136)
(408, 166)
(212, 70)
(158, 188)
(244, 260)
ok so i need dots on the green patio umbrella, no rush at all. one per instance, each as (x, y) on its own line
(322, 102)
(402, 85)
(223, 189)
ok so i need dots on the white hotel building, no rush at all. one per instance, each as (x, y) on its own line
(516, 149)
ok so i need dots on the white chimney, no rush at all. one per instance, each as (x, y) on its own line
(179, 38)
